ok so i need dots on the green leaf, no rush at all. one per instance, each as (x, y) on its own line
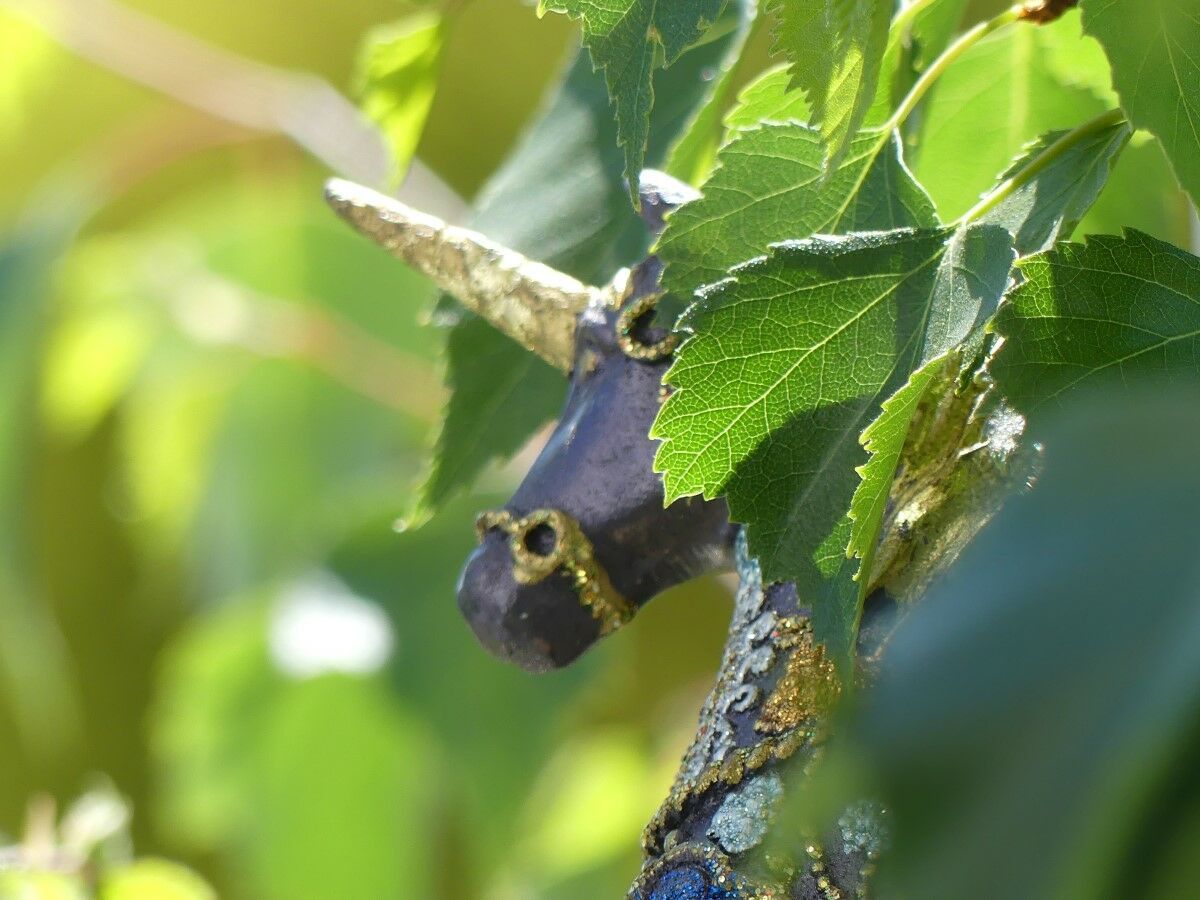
(1050, 201)
(769, 98)
(1141, 193)
(884, 440)
(835, 48)
(786, 364)
(625, 38)
(971, 278)
(692, 155)
(909, 52)
(155, 879)
(258, 760)
(771, 186)
(501, 395)
(1154, 48)
(999, 95)
(41, 886)
(1033, 729)
(560, 199)
(1113, 308)
(397, 80)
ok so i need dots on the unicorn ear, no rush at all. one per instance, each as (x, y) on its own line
(660, 193)
(533, 304)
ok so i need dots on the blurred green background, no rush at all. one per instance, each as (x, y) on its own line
(214, 402)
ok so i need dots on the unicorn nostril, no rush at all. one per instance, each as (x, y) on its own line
(541, 539)
(540, 625)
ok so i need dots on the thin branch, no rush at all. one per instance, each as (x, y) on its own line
(303, 107)
(214, 310)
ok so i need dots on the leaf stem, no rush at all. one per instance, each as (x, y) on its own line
(905, 17)
(1006, 188)
(939, 65)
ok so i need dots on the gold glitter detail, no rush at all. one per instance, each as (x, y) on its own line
(572, 552)
(630, 345)
(533, 304)
(864, 876)
(809, 685)
(728, 773)
(828, 889)
(718, 867)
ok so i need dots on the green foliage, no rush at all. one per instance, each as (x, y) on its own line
(884, 441)
(627, 40)
(999, 95)
(88, 855)
(214, 397)
(1154, 48)
(770, 185)
(559, 198)
(787, 362)
(692, 155)
(913, 43)
(1045, 204)
(1040, 704)
(835, 48)
(397, 81)
(155, 879)
(1112, 309)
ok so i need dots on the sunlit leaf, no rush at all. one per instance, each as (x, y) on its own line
(1001, 94)
(397, 81)
(155, 879)
(884, 441)
(910, 50)
(786, 363)
(1154, 47)
(835, 48)
(770, 185)
(769, 98)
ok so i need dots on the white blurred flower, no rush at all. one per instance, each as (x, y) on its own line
(320, 625)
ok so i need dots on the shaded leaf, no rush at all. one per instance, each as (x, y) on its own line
(625, 38)
(1040, 704)
(502, 395)
(1113, 308)
(971, 278)
(1051, 200)
(691, 157)
(1154, 48)
(835, 48)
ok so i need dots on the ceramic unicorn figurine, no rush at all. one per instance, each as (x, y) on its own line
(586, 540)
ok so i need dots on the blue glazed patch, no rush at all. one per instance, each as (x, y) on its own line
(690, 882)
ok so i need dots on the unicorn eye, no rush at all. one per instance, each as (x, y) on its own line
(638, 338)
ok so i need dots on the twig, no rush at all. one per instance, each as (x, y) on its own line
(252, 95)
